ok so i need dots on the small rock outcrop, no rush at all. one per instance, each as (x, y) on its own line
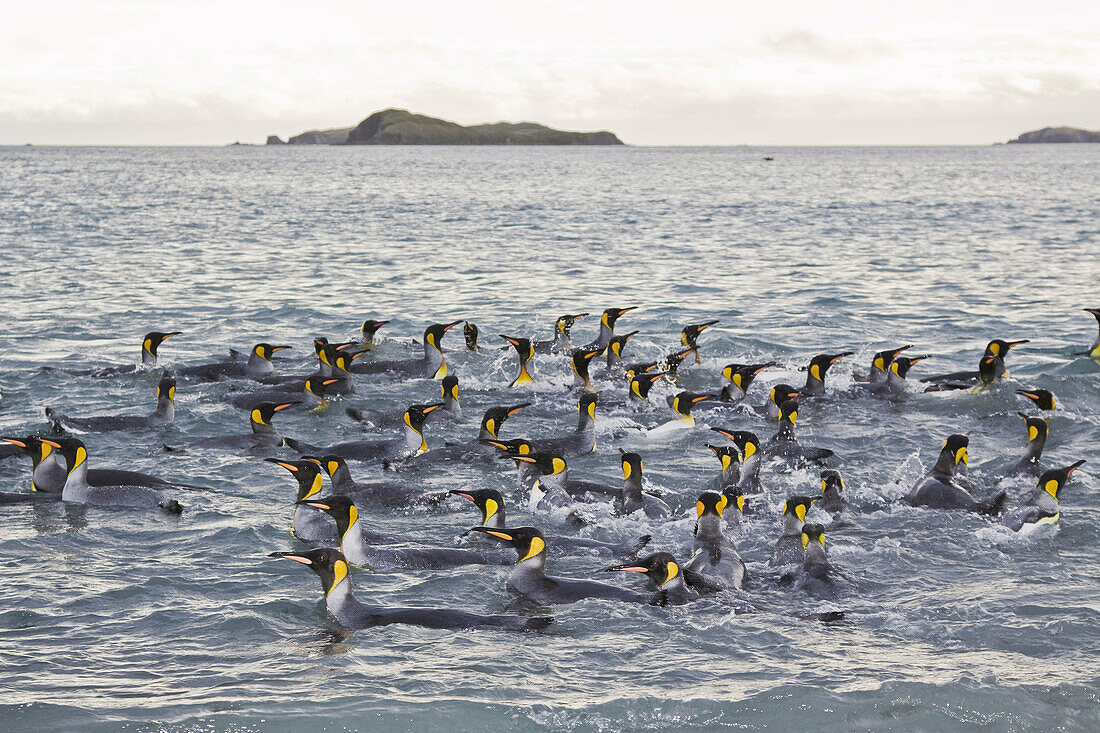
(275, 140)
(1058, 135)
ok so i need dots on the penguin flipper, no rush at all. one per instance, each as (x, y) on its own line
(993, 506)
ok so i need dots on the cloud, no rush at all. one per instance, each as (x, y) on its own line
(810, 45)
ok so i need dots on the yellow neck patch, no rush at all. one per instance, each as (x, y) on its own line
(750, 449)
(490, 509)
(339, 572)
(491, 426)
(1051, 487)
(257, 417)
(815, 370)
(671, 571)
(537, 546)
(314, 488)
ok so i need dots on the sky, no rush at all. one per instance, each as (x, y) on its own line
(684, 72)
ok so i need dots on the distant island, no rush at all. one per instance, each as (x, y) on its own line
(401, 127)
(1058, 135)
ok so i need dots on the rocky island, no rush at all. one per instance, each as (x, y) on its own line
(401, 127)
(1058, 135)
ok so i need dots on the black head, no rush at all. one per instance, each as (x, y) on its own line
(883, 359)
(370, 327)
(633, 370)
(417, 414)
(684, 401)
(690, 334)
(831, 479)
(747, 443)
(813, 533)
(618, 343)
(1094, 311)
(999, 347)
(735, 495)
(517, 447)
(611, 315)
(545, 462)
(673, 360)
(956, 446)
(711, 502)
(307, 472)
(433, 334)
(330, 464)
(317, 385)
(587, 405)
(565, 323)
(495, 416)
(797, 506)
(580, 360)
(641, 384)
(1053, 480)
(660, 567)
(1037, 428)
(780, 393)
(449, 386)
(265, 411)
(266, 351)
(743, 375)
(527, 541)
(987, 369)
(632, 466)
(1043, 399)
(470, 333)
(329, 564)
(489, 501)
(727, 454)
(788, 411)
(342, 359)
(34, 446)
(154, 339)
(902, 364)
(166, 387)
(71, 449)
(340, 508)
(522, 346)
(821, 363)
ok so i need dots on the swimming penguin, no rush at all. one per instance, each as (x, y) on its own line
(332, 568)
(545, 475)
(258, 365)
(748, 446)
(1042, 399)
(560, 344)
(412, 443)
(818, 577)
(307, 524)
(580, 360)
(470, 334)
(666, 578)
(529, 581)
(525, 351)
(451, 409)
(615, 349)
(777, 395)
(789, 550)
(359, 552)
(880, 363)
(940, 490)
(340, 370)
(263, 435)
(689, 337)
(385, 494)
(894, 385)
(1043, 506)
(815, 373)
(673, 361)
(47, 475)
(1037, 431)
(786, 445)
(640, 367)
(632, 498)
(641, 384)
(491, 423)
(607, 328)
(77, 490)
(683, 403)
(740, 377)
(311, 396)
(491, 504)
(149, 345)
(1094, 350)
(580, 441)
(832, 493)
(995, 350)
(162, 416)
(369, 328)
(432, 364)
(715, 559)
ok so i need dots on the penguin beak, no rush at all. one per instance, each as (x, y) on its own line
(463, 494)
(292, 556)
(834, 359)
(288, 466)
(285, 405)
(279, 348)
(50, 442)
(1074, 467)
(15, 441)
(170, 334)
(327, 382)
(1013, 344)
(517, 408)
(724, 432)
(626, 569)
(448, 326)
(315, 504)
(914, 359)
(494, 532)
(525, 459)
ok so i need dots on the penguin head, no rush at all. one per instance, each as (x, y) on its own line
(742, 375)
(166, 387)
(611, 315)
(987, 370)
(265, 411)
(319, 343)
(316, 385)
(370, 327)
(902, 364)
(998, 347)
(580, 360)
(618, 343)
(831, 479)
(340, 508)
(330, 464)
(780, 393)
(797, 506)
(883, 359)
(154, 339)
(495, 416)
(71, 449)
(266, 351)
(684, 401)
(727, 454)
(747, 443)
(417, 414)
(788, 411)
(1037, 428)
(633, 370)
(735, 495)
(470, 333)
(711, 503)
(449, 387)
(660, 567)
(632, 466)
(545, 463)
(673, 360)
(1053, 480)
(341, 359)
(1094, 311)
(1043, 399)
(641, 384)
(306, 471)
(690, 334)
(517, 447)
(587, 405)
(329, 564)
(34, 446)
(820, 364)
(527, 541)
(433, 334)
(813, 533)
(489, 501)
(956, 446)
(565, 323)
(522, 346)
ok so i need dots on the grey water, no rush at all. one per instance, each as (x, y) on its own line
(116, 619)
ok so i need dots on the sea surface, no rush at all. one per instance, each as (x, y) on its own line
(119, 619)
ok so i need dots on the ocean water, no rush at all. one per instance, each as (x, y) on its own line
(116, 619)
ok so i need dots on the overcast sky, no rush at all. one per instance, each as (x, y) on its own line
(796, 72)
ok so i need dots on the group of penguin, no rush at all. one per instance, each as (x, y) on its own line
(331, 527)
